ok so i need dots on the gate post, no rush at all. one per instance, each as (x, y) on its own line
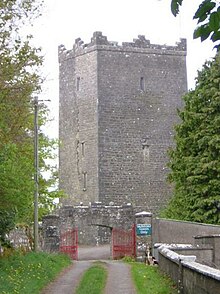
(51, 234)
(144, 235)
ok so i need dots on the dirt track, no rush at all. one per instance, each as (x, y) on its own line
(95, 253)
(119, 278)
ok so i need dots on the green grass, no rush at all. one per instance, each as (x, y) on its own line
(149, 280)
(29, 273)
(93, 281)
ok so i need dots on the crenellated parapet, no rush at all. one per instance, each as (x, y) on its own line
(141, 44)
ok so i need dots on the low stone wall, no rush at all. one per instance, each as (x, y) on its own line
(21, 237)
(199, 278)
(203, 255)
(212, 241)
(18, 239)
(200, 236)
(190, 276)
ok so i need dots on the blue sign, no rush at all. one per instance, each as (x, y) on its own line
(143, 229)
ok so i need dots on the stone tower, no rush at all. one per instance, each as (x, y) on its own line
(118, 106)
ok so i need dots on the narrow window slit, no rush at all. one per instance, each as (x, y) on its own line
(146, 151)
(77, 83)
(83, 148)
(84, 181)
(142, 83)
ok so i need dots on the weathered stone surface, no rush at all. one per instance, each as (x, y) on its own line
(117, 111)
(190, 276)
(94, 223)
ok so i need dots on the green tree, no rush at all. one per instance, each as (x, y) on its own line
(208, 20)
(20, 81)
(195, 161)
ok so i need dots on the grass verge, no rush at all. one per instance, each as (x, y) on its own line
(149, 280)
(93, 281)
(29, 273)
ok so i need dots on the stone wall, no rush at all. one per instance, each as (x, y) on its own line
(78, 163)
(203, 255)
(138, 98)
(174, 231)
(190, 276)
(204, 239)
(117, 110)
(94, 223)
(212, 241)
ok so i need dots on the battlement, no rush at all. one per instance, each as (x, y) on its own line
(141, 44)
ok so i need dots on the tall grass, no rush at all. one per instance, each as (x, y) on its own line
(149, 280)
(28, 274)
(93, 281)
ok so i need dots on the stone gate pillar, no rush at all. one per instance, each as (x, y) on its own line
(51, 233)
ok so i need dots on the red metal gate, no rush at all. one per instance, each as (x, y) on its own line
(123, 242)
(69, 243)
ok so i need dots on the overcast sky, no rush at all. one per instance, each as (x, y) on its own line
(120, 20)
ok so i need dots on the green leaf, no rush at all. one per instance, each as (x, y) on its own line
(202, 32)
(197, 33)
(202, 18)
(214, 21)
(215, 36)
(175, 4)
(204, 9)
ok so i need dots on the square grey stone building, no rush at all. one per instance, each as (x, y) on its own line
(118, 107)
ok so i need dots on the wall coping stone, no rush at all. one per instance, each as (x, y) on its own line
(197, 248)
(189, 262)
(203, 269)
(143, 214)
(173, 245)
(175, 257)
(187, 222)
(207, 236)
(97, 206)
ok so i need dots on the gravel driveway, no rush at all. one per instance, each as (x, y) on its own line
(68, 280)
(119, 278)
(95, 253)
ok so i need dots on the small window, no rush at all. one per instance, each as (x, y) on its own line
(84, 181)
(83, 148)
(146, 151)
(77, 83)
(142, 83)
